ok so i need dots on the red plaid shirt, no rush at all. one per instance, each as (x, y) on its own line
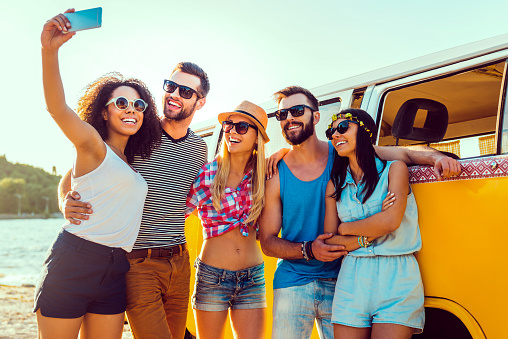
(234, 206)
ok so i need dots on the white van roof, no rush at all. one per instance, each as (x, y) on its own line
(414, 66)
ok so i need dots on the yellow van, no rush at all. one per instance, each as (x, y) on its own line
(454, 101)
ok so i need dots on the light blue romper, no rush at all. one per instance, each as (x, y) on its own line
(380, 283)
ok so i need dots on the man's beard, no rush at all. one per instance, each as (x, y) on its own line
(184, 113)
(306, 132)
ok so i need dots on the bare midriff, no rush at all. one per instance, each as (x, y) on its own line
(232, 251)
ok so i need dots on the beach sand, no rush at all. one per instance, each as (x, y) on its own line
(16, 318)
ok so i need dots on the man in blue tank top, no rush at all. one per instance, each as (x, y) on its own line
(304, 281)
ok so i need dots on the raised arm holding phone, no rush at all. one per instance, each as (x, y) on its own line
(82, 283)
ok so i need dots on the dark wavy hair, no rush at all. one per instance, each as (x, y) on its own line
(365, 155)
(91, 107)
(292, 90)
(193, 69)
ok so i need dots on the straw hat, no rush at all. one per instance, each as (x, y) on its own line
(254, 113)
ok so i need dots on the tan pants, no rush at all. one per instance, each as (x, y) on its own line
(158, 296)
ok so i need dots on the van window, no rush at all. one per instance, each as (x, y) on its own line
(327, 108)
(357, 97)
(504, 128)
(455, 113)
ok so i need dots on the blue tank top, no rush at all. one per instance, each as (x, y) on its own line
(303, 213)
(404, 240)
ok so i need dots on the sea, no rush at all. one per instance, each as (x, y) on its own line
(23, 247)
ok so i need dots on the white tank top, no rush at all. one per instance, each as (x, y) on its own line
(117, 194)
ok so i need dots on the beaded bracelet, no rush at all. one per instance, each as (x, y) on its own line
(363, 242)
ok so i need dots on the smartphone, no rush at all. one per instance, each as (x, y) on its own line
(86, 19)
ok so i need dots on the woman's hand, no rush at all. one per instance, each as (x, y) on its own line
(273, 160)
(388, 202)
(55, 31)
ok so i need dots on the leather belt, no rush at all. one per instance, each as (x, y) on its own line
(157, 252)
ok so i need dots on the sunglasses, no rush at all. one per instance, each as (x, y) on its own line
(241, 127)
(122, 103)
(185, 92)
(342, 128)
(296, 111)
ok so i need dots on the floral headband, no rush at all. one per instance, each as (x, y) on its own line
(349, 116)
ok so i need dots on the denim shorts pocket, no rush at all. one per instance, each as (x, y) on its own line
(258, 279)
(206, 277)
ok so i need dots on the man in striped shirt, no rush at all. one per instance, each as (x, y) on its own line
(159, 277)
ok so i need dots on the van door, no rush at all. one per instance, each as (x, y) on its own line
(459, 109)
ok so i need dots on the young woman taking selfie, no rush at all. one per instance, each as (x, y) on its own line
(82, 284)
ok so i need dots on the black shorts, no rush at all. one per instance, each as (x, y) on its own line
(79, 277)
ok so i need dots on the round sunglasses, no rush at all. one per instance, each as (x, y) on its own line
(241, 127)
(296, 111)
(185, 92)
(342, 128)
(122, 103)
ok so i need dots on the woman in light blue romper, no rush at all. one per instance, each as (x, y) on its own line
(379, 291)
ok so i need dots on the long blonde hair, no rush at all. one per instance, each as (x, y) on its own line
(258, 164)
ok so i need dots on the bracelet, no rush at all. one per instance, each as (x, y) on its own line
(308, 249)
(363, 242)
(304, 250)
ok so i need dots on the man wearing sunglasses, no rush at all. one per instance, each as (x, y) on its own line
(304, 281)
(159, 277)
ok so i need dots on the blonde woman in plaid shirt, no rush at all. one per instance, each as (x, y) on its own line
(229, 196)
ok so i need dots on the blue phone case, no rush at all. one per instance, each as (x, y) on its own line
(86, 19)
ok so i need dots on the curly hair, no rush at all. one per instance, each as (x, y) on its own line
(92, 105)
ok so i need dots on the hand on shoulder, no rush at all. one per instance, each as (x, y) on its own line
(273, 160)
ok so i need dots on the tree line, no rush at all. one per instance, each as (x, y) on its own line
(27, 189)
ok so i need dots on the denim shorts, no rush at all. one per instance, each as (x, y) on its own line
(379, 289)
(297, 308)
(79, 277)
(217, 289)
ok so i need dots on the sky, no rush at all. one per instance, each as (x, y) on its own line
(250, 49)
